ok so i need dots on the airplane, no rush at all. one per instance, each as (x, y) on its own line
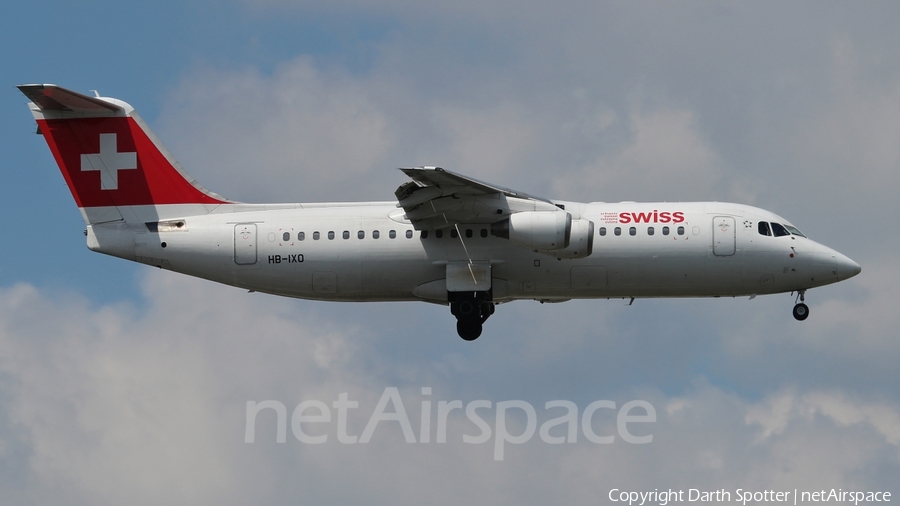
(448, 239)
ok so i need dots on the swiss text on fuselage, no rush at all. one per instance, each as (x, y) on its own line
(652, 217)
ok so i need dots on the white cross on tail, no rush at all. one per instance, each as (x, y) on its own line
(109, 162)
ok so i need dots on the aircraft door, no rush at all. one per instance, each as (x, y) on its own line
(723, 236)
(245, 244)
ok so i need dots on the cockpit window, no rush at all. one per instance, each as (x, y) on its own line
(763, 227)
(779, 230)
(793, 230)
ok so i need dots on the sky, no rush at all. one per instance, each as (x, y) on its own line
(120, 383)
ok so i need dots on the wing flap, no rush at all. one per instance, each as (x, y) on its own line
(452, 183)
(438, 198)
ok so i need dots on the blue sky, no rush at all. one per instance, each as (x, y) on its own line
(123, 383)
(139, 48)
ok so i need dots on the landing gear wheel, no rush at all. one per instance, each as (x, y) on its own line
(801, 311)
(471, 310)
(468, 329)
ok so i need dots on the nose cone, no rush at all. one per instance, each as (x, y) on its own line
(846, 268)
(831, 266)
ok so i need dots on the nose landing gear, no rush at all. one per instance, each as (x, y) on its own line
(471, 310)
(801, 310)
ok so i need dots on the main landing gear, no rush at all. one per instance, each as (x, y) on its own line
(471, 310)
(801, 310)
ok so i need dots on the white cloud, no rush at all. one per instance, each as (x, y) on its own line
(304, 133)
(146, 405)
(493, 141)
(851, 138)
(295, 134)
(124, 405)
(665, 158)
(121, 403)
(777, 412)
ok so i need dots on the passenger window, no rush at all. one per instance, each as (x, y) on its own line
(392, 234)
(316, 236)
(360, 235)
(439, 233)
(779, 230)
(763, 228)
(468, 232)
(454, 234)
(424, 234)
(665, 230)
(286, 236)
(649, 230)
(632, 230)
(376, 234)
(617, 230)
(346, 234)
(301, 236)
(680, 230)
(602, 231)
(409, 234)
(484, 232)
(330, 235)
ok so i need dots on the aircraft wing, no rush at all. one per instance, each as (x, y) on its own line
(438, 198)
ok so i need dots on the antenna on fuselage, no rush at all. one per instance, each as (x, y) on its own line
(461, 241)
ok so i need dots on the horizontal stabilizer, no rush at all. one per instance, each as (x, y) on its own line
(50, 97)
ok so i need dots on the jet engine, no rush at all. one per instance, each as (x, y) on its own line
(536, 230)
(581, 240)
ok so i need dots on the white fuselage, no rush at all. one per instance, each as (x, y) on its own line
(448, 239)
(330, 252)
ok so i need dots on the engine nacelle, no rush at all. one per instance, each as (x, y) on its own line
(537, 230)
(581, 240)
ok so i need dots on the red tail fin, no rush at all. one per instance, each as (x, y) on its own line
(107, 154)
